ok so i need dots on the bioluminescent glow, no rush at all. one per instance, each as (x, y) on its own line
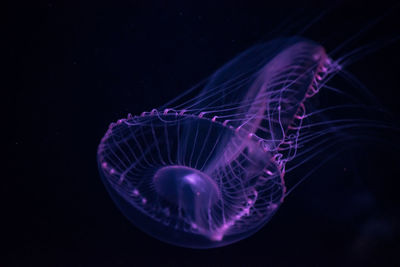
(208, 168)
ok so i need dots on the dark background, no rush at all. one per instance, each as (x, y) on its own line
(81, 65)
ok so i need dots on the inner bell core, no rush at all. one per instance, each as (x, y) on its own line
(181, 185)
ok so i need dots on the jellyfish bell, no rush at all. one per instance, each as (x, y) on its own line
(209, 171)
(173, 176)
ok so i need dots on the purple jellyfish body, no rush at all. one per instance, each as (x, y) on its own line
(209, 171)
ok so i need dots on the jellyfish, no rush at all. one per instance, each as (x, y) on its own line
(208, 168)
